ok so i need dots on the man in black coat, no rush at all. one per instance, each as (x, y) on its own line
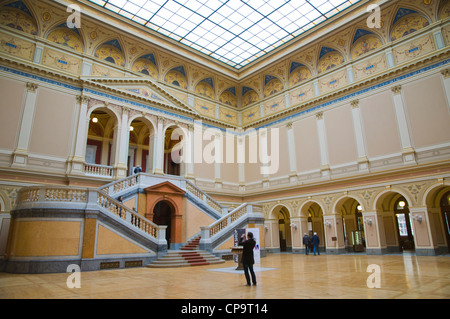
(247, 257)
(306, 242)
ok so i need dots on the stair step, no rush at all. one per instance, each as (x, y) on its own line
(187, 256)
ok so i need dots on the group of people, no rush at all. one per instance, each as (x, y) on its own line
(313, 241)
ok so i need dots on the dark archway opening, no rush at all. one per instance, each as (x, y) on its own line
(162, 216)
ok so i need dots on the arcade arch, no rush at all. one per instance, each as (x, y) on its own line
(278, 229)
(393, 207)
(349, 211)
(437, 202)
(101, 138)
(141, 145)
(173, 164)
(314, 214)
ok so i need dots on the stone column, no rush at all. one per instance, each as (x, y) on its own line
(159, 148)
(123, 142)
(374, 233)
(189, 154)
(424, 242)
(334, 234)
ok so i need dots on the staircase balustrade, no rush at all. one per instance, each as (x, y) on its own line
(145, 180)
(36, 197)
(101, 199)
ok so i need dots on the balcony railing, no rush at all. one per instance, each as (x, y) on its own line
(98, 170)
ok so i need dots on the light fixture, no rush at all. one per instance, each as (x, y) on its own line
(94, 120)
(359, 208)
(402, 204)
(327, 224)
(418, 218)
(131, 129)
(293, 225)
(368, 221)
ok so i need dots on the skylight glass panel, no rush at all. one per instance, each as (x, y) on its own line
(235, 32)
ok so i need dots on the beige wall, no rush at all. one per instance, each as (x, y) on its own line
(196, 219)
(307, 144)
(340, 135)
(11, 104)
(53, 123)
(379, 124)
(428, 111)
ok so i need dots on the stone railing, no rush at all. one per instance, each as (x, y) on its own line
(225, 221)
(121, 185)
(202, 196)
(81, 198)
(131, 217)
(98, 170)
(212, 235)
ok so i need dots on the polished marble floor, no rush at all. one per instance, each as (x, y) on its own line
(280, 276)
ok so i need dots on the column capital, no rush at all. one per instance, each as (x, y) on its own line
(355, 104)
(31, 87)
(396, 89)
(319, 115)
(161, 119)
(289, 125)
(82, 99)
(125, 110)
(445, 73)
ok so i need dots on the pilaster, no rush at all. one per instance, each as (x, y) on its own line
(324, 163)
(408, 151)
(20, 154)
(363, 162)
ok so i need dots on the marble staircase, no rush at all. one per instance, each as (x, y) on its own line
(187, 256)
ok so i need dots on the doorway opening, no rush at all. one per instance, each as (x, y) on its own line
(445, 209)
(404, 226)
(162, 216)
(284, 222)
(172, 151)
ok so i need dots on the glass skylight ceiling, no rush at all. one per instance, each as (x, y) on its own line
(235, 32)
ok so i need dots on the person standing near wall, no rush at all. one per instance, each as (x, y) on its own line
(247, 257)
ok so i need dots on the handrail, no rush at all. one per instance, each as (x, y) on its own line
(226, 220)
(127, 214)
(214, 234)
(197, 192)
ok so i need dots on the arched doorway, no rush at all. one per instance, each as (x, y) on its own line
(445, 210)
(350, 211)
(172, 151)
(162, 216)
(404, 228)
(101, 142)
(315, 222)
(284, 228)
(141, 146)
